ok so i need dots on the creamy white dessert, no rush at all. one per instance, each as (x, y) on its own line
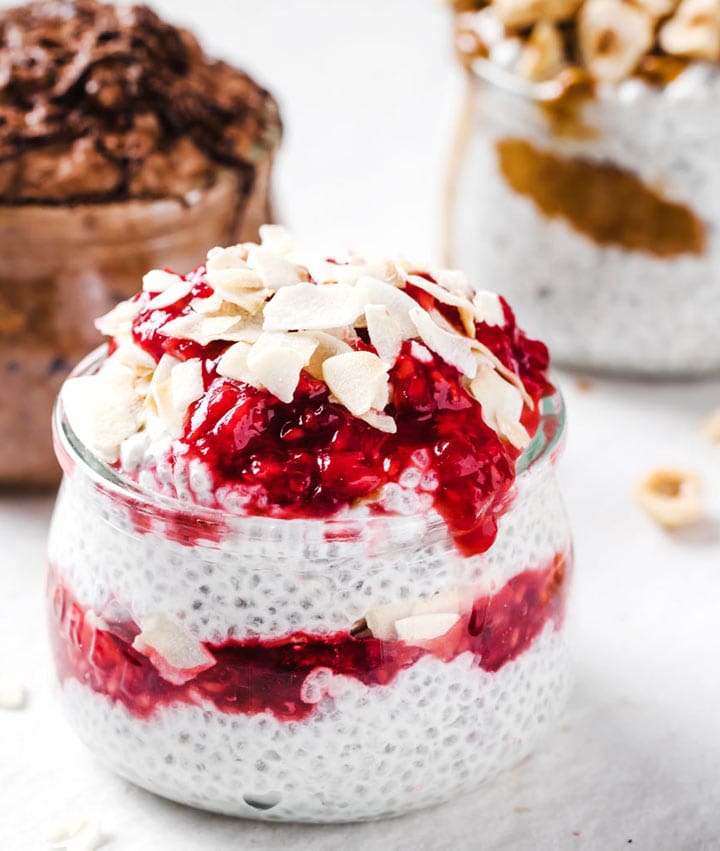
(309, 560)
(585, 179)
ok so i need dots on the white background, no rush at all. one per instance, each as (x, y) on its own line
(368, 90)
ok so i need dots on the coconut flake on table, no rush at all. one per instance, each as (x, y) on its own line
(77, 833)
(13, 694)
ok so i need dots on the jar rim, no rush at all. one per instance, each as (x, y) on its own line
(551, 91)
(72, 453)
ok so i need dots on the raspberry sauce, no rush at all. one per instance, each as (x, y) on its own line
(258, 675)
(312, 458)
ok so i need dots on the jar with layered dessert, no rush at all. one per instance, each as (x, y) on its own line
(122, 147)
(584, 181)
(309, 560)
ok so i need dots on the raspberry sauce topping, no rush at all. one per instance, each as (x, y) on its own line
(258, 675)
(299, 422)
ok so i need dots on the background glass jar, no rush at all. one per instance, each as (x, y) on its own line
(62, 266)
(306, 670)
(597, 216)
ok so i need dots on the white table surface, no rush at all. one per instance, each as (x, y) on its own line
(368, 91)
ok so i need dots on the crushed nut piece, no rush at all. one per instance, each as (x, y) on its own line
(614, 35)
(658, 8)
(694, 30)
(672, 497)
(518, 14)
(358, 380)
(543, 53)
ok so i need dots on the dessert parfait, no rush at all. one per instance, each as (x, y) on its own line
(585, 178)
(122, 146)
(309, 559)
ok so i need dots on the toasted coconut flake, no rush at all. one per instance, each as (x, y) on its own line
(231, 257)
(250, 302)
(381, 620)
(186, 382)
(160, 397)
(157, 280)
(328, 345)
(463, 305)
(305, 307)
(233, 364)
(227, 256)
(486, 355)
(131, 355)
(200, 329)
(118, 321)
(672, 496)
(274, 270)
(385, 333)
(501, 404)
(356, 379)
(418, 629)
(276, 360)
(213, 305)
(420, 352)
(451, 347)
(104, 409)
(234, 282)
(454, 280)
(398, 302)
(327, 272)
(380, 421)
(176, 654)
(710, 427)
(276, 238)
(488, 308)
(170, 295)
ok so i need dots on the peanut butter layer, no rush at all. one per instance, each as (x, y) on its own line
(608, 204)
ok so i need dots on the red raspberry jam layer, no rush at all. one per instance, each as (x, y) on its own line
(257, 675)
(312, 458)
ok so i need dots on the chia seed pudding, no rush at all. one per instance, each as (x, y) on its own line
(309, 559)
(584, 182)
(122, 146)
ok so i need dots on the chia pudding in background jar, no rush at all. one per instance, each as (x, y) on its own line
(122, 147)
(585, 177)
(309, 559)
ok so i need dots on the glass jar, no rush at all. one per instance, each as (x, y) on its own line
(306, 670)
(597, 216)
(63, 266)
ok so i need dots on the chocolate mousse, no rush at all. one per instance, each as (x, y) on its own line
(121, 145)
